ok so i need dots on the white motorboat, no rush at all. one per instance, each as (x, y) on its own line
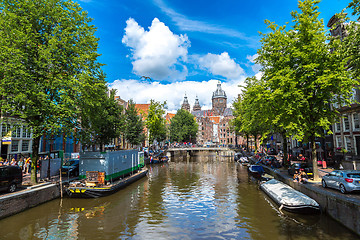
(288, 198)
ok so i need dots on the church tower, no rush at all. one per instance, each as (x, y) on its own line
(219, 101)
(185, 105)
(196, 106)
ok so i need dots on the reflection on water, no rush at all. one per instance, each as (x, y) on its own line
(196, 199)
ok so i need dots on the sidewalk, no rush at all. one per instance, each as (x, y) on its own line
(27, 179)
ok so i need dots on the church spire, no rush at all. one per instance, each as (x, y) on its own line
(197, 106)
(185, 105)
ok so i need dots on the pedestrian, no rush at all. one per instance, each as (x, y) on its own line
(21, 163)
(13, 162)
(296, 176)
(6, 162)
(29, 164)
(303, 176)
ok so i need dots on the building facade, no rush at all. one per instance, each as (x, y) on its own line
(214, 124)
(346, 137)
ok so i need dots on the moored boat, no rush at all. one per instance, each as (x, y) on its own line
(102, 174)
(80, 190)
(256, 171)
(288, 198)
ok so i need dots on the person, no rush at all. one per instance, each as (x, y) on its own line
(27, 166)
(296, 176)
(303, 176)
(6, 162)
(13, 162)
(21, 163)
(29, 163)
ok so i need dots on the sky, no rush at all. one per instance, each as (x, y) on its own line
(162, 49)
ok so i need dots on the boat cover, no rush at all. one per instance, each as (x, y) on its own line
(285, 195)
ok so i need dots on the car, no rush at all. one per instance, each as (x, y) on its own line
(343, 180)
(295, 167)
(10, 178)
(70, 168)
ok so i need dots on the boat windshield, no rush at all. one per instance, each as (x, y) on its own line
(258, 168)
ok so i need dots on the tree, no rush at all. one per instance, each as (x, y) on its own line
(305, 72)
(134, 126)
(250, 111)
(155, 121)
(48, 53)
(183, 127)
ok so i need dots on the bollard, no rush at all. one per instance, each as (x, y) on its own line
(324, 164)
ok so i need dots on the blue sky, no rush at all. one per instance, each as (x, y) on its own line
(184, 46)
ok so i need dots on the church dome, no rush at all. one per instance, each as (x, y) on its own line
(219, 93)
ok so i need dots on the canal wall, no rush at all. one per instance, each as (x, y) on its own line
(337, 205)
(14, 203)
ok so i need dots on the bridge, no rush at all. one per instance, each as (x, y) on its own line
(206, 153)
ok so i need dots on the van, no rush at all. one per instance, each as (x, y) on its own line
(10, 178)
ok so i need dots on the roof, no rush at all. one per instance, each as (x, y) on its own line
(219, 93)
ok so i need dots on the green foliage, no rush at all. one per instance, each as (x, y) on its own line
(134, 126)
(48, 55)
(350, 43)
(303, 72)
(155, 121)
(183, 127)
(101, 121)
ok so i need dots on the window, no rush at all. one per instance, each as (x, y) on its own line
(346, 123)
(348, 143)
(26, 133)
(338, 126)
(14, 145)
(338, 141)
(356, 122)
(5, 129)
(25, 146)
(16, 132)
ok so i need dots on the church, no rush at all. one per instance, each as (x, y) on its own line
(214, 124)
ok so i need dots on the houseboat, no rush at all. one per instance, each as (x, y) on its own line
(103, 173)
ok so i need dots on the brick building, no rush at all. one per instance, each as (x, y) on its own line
(214, 127)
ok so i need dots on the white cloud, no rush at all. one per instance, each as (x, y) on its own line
(221, 65)
(157, 53)
(173, 93)
(255, 67)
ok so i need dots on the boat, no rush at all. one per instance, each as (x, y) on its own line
(256, 171)
(104, 173)
(288, 198)
(159, 159)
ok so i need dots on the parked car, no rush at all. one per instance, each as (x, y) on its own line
(343, 180)
(10, 178)
(70, 168)
(295, 167)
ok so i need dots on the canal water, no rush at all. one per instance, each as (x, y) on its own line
(203, 198)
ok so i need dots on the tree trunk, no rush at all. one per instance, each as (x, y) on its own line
(314, 158)
(285, 152)
(247, 142)
(35, 157)
(255, 142)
